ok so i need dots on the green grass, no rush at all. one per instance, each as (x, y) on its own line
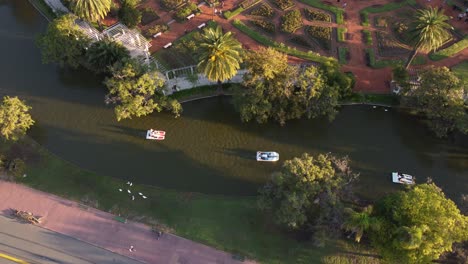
(335, 10)
(228, 223)
(461, 70)
(367, 37)
(280, 46)
(43, 8)
(385, 99)
(233, 13)
(450, 51)
(202, 91)
(340, 34)
(384, 8)
(342, 52)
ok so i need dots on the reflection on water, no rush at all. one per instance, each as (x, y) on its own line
(208, 149)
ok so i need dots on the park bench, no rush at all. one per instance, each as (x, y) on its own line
(157, 34)
(120, 219)
(168, 45)
(201, 26)
(191, 16)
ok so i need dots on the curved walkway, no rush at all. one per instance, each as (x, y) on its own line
(99, 228)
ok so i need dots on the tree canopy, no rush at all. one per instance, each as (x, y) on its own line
(273, 89)
(219, 54)
(308, 192)
(103, 54)
(440, 97)
(137, 92)
(15, 119)
(418, 225)
(429, 30)
(91, 10)
(63, 42)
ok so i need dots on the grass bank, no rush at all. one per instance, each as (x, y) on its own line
(450, 51)
(228, 223)
(364, 13)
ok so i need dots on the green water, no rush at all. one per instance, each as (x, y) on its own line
(208, 149)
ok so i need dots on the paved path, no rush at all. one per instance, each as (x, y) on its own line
(99, 228)
(33, 244)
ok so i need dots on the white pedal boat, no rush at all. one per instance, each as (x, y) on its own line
(267, 156)
(402, 178)
(155, 134)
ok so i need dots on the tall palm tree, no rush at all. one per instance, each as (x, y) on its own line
(91, 10)
(358, 222)
(103, 54)
(219, 55)
(429, 31)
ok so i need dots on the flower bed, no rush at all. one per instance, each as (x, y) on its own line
(313, 15)
(335, 10)
(284, 4)
(171, 4)
(148, 15)
(185, 11)
(264, 10)
(301, 41)
(389, 46)
(321, 34)
(291, 21)
(264, 25)
(150, 32)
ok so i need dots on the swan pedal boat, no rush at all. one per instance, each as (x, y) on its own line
(267, 156)
(155, 134)
(402, 178)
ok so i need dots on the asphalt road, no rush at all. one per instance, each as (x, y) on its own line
(35, 245)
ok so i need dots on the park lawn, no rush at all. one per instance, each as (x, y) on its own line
(461, 70)
(228, 223)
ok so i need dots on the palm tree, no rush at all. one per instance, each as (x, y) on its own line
(429, 31)
(219, 55)
(104, 53)
(358, 222)
(91, 10)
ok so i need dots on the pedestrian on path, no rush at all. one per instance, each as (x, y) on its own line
(131, 249)
(345, 4)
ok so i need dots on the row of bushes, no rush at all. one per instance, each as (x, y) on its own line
(280, 46)
(367, 36)
(284, 4)
(341, 34)
(291, 21)
(230, 14)
(313, 15)
(339, 12)
(150, 32)
(321, 34)
(343, 55)
(264, 10)
(264, 25)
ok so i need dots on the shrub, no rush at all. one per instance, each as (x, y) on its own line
(248, 3)
(171, 4)
(264, 10)
(185, 11)
(313, 15)
(367, 37)
(341, 34)
(381, 22)
(300, 40)
(233, 13)
(17, 167)
(148, 15)
(284, 4)
(129, 15)
(291, 21)
(265, 25)
(321, 34)
(150, 32)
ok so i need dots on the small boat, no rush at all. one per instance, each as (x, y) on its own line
(267, 156)
(155, 134)
(402, 178)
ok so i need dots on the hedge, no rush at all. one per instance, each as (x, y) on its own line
(280, 46)
(450, 51)
(233, 13)
(342, 54)
(341, 34)
(367, 36)
(335, 10)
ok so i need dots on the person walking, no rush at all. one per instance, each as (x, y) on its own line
(131, 249)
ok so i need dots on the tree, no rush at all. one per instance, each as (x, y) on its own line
(279, 91)
(429, 30)
(440, 97)
(91, 10)
(308, 192)
(400, 76)
(129, 15)
(359, 222)
(137, 92)
(64, 42)
(219, 55)
(14, 118)
(103, 54)
(417, 225)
